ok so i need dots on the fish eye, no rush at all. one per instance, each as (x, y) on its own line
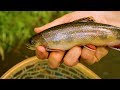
(32, 42)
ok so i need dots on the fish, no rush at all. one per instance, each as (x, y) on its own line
(81, 32)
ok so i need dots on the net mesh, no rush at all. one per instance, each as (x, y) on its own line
(41, 70)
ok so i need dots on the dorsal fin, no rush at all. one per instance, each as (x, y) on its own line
(85, 19)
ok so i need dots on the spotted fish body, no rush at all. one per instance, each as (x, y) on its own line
(68, 35)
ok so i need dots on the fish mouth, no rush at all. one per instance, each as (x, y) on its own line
(30, 47)
(27, 45)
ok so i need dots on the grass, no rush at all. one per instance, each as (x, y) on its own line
(17, 26)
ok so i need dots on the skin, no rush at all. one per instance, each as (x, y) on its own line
(74, 55)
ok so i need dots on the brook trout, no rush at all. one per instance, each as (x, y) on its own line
(76, 33)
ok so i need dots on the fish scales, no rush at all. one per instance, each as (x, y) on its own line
(65, 36)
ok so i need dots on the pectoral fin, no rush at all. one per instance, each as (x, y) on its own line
(117, 47)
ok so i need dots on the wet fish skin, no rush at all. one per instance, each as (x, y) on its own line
(66, 36)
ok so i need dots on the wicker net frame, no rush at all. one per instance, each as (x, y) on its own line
(34, 68)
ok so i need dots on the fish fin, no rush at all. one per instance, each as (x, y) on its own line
(48, 49)
(85, 19)
(115, 48)
(90, 47)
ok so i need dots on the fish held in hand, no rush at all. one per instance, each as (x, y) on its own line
(81, 32)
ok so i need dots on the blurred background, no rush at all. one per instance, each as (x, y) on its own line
(17, 26)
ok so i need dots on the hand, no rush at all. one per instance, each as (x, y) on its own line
(71, 58)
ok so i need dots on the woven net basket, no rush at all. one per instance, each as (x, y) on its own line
(34, 68)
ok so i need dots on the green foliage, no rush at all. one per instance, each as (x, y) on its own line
(17, 26)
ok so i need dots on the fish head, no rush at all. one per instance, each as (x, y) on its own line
(33, 42)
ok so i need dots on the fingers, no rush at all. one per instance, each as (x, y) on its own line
(90, 57)
(41, 53)
(55, 59)
(101, 52)
(71, 58)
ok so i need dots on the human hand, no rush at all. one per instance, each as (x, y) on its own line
(71, 57)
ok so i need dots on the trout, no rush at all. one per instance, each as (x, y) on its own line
(77, 33)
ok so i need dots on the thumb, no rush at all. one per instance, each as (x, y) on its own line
(58, 21)
(64, 19)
